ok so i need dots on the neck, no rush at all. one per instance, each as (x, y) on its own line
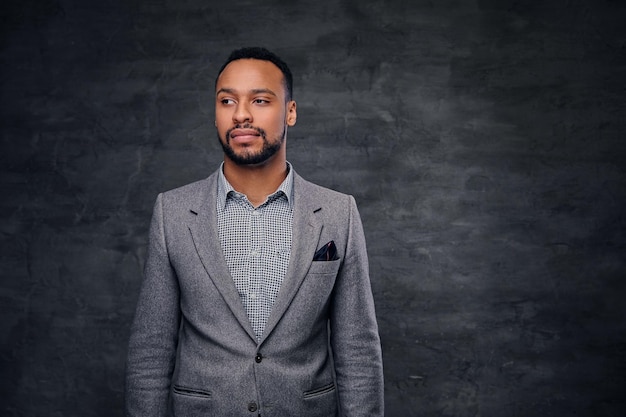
(256, 181)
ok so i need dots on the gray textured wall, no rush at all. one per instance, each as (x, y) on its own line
(483, 141)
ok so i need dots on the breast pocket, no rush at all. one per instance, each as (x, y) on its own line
(325, 267)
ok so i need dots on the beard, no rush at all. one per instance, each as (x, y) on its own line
(247, 157)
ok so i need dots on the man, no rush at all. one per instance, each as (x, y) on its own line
(256, 298)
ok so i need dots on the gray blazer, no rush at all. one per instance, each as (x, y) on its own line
(192, 349)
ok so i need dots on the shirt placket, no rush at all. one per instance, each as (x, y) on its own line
(256, 290)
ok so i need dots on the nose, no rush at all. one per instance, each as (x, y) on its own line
(242, 113)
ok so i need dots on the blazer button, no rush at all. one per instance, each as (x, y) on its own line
(258, 358)
(252, 407)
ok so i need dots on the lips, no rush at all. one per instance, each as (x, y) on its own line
(244, 133)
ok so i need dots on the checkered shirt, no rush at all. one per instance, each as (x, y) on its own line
(256, 244)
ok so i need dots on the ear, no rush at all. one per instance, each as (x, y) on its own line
(292, 114)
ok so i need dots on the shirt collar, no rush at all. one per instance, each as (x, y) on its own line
(224, 188)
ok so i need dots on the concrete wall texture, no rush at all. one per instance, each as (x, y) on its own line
(483, 141)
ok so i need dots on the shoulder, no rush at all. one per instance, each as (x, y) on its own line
(332, 205)
(305, 189)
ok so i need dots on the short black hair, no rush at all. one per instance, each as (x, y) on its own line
(262, 54)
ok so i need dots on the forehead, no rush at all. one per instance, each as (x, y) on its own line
(251, 74)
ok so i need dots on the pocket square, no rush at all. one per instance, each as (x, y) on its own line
(328, 252)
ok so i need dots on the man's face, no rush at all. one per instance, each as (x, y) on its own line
(251, 114)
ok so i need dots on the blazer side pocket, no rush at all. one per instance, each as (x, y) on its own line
(319, 391)
(191, 392)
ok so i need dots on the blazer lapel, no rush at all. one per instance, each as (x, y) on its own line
(203, 228)
(306, 233)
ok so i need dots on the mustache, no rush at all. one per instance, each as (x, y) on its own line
(245, 126)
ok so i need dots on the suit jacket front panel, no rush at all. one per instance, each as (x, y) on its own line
(216, 346)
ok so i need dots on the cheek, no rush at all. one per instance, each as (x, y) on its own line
(223, 112)
(275, 120)
(222, 122)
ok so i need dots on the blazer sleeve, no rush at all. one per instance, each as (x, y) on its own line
(154, 332)
(354, 332)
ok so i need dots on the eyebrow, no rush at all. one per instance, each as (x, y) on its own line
(254, 91)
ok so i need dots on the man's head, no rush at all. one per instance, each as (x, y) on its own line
(253, 106)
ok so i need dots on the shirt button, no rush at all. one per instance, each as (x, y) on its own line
(256, 213)
(254, 252)
(252, 407)
(258, 358)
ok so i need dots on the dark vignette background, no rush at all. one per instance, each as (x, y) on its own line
(483, 141)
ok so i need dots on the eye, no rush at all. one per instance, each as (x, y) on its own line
(260, 101)
(227, 101)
